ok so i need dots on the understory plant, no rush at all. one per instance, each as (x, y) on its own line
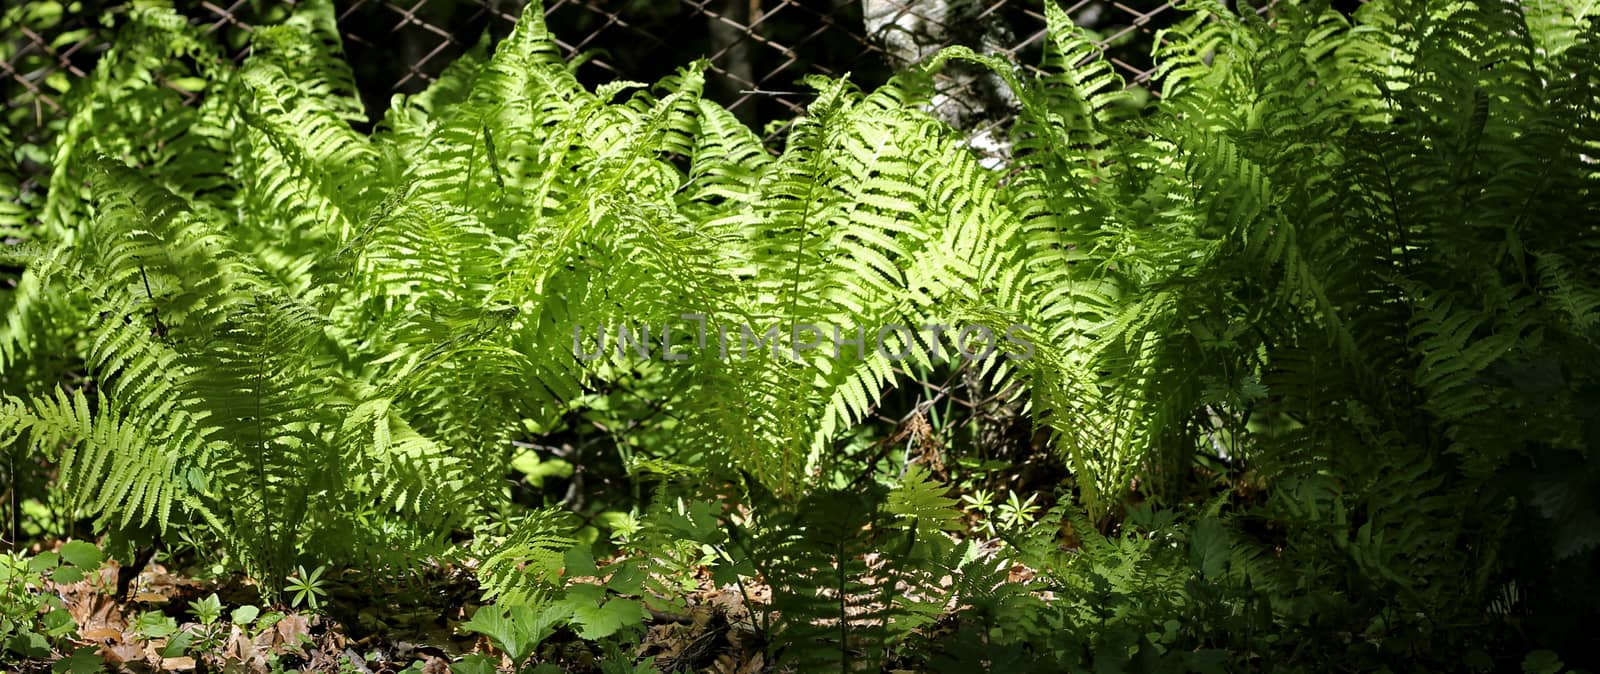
(1312, 338)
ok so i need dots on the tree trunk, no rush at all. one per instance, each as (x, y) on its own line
(968, 97)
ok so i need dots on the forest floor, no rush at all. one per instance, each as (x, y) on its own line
(411, 626)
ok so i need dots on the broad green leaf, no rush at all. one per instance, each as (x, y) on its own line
(84, 660)
(474, 664)
(580, 562)
(43, 562)
(58, 623)
(516, 629)
(82, 555)
(30, 645)
(66, 574)
(178, 644)
(155, 624)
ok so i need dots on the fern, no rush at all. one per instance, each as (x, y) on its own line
(1348, 257)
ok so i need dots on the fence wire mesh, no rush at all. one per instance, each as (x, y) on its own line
(757, 49)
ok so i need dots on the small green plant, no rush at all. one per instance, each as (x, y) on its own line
(33, 619)
(209, 634)
(980, 501)
(175, 640)
(155, 625)
(1016, 512)
(206, 610)
(306, 588)
(514, 629)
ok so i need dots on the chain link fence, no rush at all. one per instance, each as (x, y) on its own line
(758, 49)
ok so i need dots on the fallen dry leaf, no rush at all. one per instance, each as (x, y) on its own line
(121, 653)
(182, 664)
(101, 634)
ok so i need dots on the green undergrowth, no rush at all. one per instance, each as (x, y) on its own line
(1297, 364)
